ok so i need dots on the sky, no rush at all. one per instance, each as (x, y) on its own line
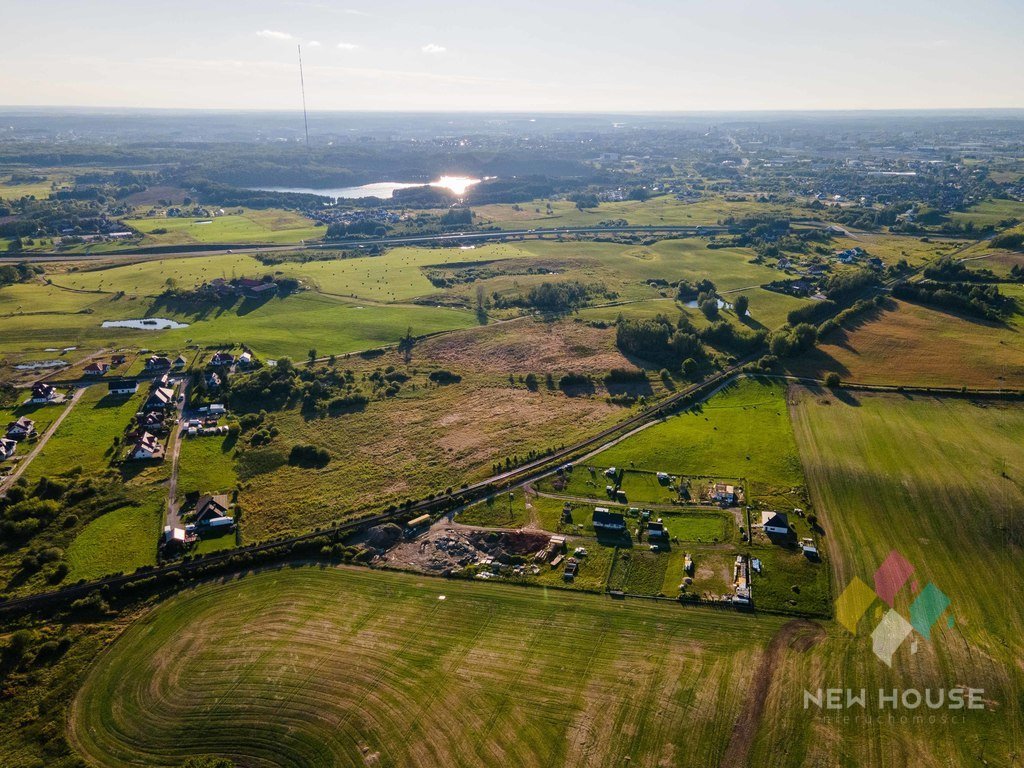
(556, 55)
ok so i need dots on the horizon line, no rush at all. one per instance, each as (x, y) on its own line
(539, 111)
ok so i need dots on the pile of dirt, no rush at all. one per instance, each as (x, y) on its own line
(512, 543)
(383, 537)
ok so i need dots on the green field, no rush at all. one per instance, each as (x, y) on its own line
(657, 211)
(939, 481)
(279, 327)
(85, 437)
(121, 540)
(990, 212)
(742, 432)
(206, 465)
(341, 668)
(250, 226)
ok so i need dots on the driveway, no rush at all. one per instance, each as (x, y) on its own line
(41, 442)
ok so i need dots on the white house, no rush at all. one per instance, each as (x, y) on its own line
(43, 394)
(23, 428)
(122, 387)
(775, 523)
(7, 448)
(147, 447)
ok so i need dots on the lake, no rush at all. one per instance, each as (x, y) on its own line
(382, 189)
(145, 324)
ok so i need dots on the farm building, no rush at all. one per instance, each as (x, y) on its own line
(122, 387)
(147, 447)
(21, 428)
(608, 521)
(775, 523)
(209, 507)
(256, 288)
(657, 530)
(95, 369)
(7, 448)
(44, 394)
(177, 539)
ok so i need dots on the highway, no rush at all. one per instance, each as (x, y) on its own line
(454, 238)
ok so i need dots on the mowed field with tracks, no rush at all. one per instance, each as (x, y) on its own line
(352, 668)
(940, 481)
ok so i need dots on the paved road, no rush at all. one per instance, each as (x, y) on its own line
(41, 443)
(454, 237)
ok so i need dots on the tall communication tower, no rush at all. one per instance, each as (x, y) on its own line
(302, 84)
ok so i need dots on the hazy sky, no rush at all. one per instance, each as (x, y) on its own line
(526, 55)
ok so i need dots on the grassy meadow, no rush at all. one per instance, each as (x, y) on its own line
(250, 226)
(742, 432)
(911, 344)
(663, 210)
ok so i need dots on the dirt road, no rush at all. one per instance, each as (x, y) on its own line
(41, 443)
(800, 635)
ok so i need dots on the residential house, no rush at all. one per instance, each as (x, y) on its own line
(775, 523)
(122, 387)
(163, 380)
(179, 363)
(21, 429)
(147, 447)
(43, 394)
(222, 358)
(7, 448)
(245, 359)
(723, 493)
(158, 363)
(160, 399)
(95, 369)
(152, 421)
(212, 380)
(608, 521)
(209, 507)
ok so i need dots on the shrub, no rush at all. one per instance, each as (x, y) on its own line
(308, 456)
